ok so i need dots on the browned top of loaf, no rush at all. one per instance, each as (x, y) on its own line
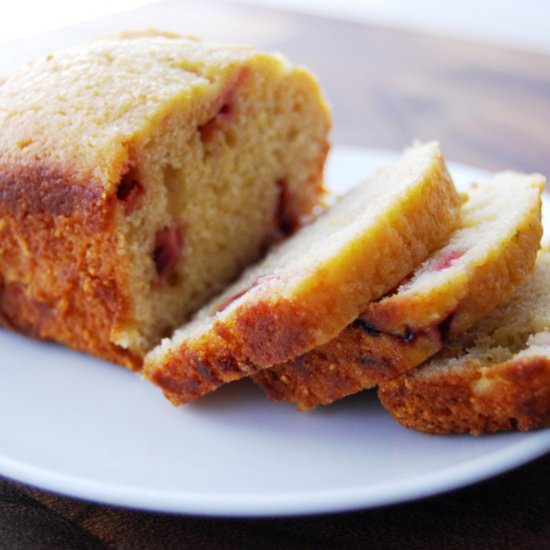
(81, 108)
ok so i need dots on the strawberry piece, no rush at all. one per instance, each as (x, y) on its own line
(264, 279)
(286, 220)
(224, 107)
(168, 247)
(447, 260)
(129, 193)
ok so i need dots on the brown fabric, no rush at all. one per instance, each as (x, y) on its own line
(508, 512)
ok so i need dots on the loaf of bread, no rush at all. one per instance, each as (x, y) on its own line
(139, 176)
(485, 259)
(493, 377)
(316, 282)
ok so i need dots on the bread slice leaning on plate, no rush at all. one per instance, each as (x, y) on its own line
(482, 263)
(315, 283)
(494, 377)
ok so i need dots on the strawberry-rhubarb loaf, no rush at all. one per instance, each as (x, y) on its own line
(483, 262)
(139, 176)
(493, 377)
(316, 282)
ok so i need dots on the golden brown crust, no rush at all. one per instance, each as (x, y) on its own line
(192, 371)
(357, 359)
(60, 278)
(514, 395)
(37, 188)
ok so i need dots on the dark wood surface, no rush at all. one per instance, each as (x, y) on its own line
(487, 106)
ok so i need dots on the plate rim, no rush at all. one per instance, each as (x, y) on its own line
(299, 504)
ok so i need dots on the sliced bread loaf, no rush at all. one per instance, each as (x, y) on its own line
(494, 377)
(315, 283)
(139, 176)
(483, 262)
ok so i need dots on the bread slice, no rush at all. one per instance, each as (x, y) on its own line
(494, 377)
(492, 252)
(139, 176)
(315, 283)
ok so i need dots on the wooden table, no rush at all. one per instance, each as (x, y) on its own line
(487, 106)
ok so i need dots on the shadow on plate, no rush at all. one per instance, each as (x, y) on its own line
(243, 395)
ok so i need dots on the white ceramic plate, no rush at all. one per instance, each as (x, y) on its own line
(85, 428)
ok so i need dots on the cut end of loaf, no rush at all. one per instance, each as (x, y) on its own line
(220, 177)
